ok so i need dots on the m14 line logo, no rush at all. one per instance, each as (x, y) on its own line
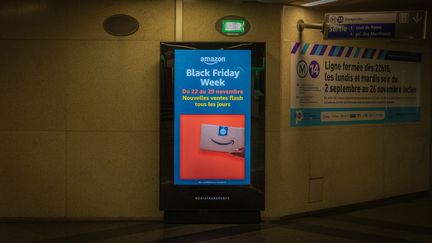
(212, 60)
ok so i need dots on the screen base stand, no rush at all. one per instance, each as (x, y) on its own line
(212, 217)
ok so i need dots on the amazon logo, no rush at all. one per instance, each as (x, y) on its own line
(223, 132)
(230, 142)
(212, 60)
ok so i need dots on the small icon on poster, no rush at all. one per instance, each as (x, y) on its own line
(223, 131)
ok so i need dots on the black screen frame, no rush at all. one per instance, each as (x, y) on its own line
(212, 197)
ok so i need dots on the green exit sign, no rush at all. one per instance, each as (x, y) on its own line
(233, 26)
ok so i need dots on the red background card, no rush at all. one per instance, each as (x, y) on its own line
(201, 164)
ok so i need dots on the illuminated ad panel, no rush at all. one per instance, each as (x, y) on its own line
(212, 120)
(345, 85)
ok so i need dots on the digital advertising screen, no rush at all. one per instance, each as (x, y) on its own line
(212, 127)
(212, 106)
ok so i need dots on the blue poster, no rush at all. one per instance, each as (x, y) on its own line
(212, 106)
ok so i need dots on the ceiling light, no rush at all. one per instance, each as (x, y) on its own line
(315, 3)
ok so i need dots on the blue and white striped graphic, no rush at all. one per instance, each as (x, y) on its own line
(354, 52)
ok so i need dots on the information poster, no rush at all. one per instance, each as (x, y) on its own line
(212, 105)
(339, 85)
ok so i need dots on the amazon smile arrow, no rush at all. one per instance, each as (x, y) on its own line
(231, 142)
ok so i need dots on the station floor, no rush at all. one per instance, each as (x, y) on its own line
(402, 219)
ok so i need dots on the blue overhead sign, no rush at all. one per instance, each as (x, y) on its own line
(376, 25)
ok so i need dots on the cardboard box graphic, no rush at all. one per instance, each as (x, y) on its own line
(201, 163)
(221, 138)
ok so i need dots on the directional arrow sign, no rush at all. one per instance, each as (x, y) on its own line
(418, 17)
(376, 25)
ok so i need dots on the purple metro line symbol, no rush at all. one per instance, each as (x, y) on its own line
(314, 69)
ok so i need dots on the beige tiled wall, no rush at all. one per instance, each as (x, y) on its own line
(32, 174)
(79, 109)
(32, 87)
(83, 20)
(63, 77)
(199, 18)
(113, 85)
(113, 174)
(79, 114)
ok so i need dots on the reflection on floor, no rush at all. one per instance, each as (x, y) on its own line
(405, 219)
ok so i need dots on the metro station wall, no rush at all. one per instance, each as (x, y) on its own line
(80, 108)
(354, 163)
(79, 131)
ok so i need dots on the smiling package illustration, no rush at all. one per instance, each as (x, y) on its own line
(221, 138)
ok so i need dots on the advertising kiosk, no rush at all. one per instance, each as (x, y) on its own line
(212, 131)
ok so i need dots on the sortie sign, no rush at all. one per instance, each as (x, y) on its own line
(376, 25)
